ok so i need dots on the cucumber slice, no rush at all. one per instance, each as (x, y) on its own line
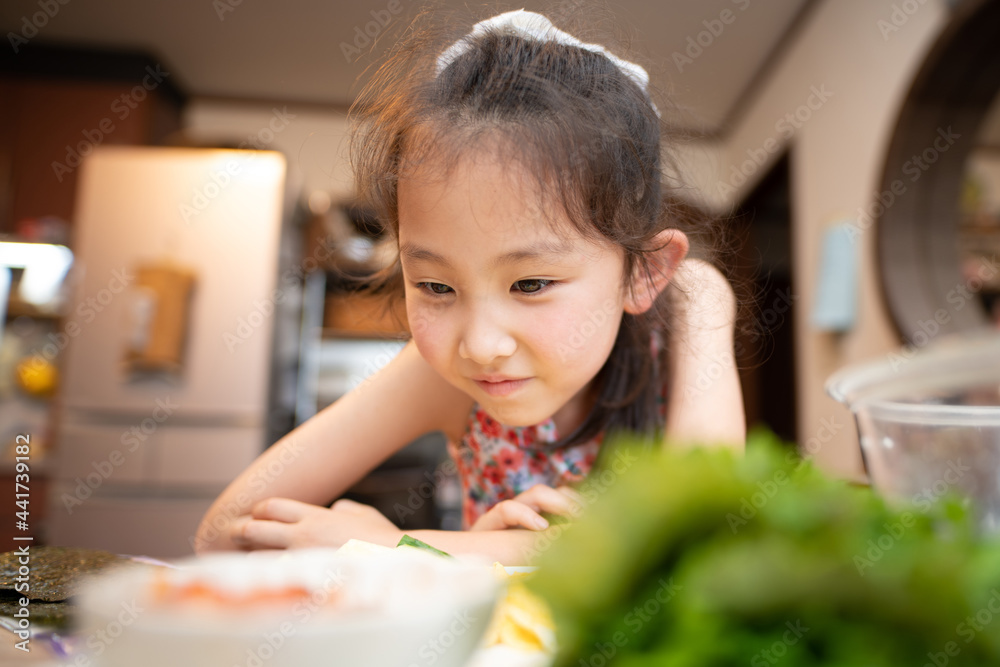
(408, 541)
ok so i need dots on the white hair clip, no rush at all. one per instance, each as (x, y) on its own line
(536, 26)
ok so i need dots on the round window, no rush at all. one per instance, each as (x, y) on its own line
(939, 204)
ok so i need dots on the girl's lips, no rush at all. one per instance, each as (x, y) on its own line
(501, 387)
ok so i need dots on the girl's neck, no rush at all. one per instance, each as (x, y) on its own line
(571, 415)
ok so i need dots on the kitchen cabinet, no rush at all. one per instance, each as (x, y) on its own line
(58, 103)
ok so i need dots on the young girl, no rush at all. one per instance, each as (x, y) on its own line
(520, 172)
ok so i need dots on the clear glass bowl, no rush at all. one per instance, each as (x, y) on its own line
(929, 421)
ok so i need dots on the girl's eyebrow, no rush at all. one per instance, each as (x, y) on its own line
(417, 254)
(544, 248)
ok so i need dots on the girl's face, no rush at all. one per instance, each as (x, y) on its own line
(505, 299)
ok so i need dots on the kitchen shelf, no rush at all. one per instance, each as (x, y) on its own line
(18, 308)
(352, 334)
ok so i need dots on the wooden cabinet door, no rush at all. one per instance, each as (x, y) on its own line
(56, 124)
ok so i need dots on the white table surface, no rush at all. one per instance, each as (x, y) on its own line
(39, 656)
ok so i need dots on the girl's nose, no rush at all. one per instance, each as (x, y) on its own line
(485, 340)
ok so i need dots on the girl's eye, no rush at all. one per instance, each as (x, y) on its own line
(434, 288)
(531, 285)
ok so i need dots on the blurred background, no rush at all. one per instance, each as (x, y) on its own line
(167, 314)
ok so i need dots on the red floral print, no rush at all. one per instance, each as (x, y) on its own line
(491, 427)
(493, 473)
(537, 463)
(496, 462)
(510, 458)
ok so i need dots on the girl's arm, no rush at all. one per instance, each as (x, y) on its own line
(280, 523)
(706, 401)
(323, 457)
(513, 546)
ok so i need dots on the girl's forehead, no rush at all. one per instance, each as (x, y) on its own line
(431, 152)
(502, 154)
(488, 180)
(499, 194)
(484, 170)
(473, 217)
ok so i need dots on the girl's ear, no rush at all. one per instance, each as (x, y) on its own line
(669, 249)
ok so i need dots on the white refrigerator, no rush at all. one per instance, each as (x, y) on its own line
(180, 358)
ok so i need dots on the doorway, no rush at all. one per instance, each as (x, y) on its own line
(765, 340)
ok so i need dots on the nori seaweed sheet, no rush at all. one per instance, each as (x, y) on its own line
(56, 572)
(51, 615)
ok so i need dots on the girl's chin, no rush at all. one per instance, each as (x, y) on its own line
(518, 416)
(535, 408)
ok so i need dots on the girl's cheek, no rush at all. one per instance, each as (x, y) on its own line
(428, 329)
(417, 321)
(576, 334)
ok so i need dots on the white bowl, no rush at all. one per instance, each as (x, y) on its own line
(403, 608)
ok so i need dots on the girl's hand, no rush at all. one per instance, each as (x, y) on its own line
(524, 511)
(281, 523)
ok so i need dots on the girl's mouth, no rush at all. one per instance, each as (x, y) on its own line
(501, 386)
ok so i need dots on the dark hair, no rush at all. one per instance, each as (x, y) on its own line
(574, 120)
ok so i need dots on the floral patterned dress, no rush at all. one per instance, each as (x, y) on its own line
(497, 462)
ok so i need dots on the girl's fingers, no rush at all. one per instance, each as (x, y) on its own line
(572, 493)
(511, 514)
(542, 498)
(518, 514)
(347, 505)
(236, 528)
(281, 509)
(257, 534)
